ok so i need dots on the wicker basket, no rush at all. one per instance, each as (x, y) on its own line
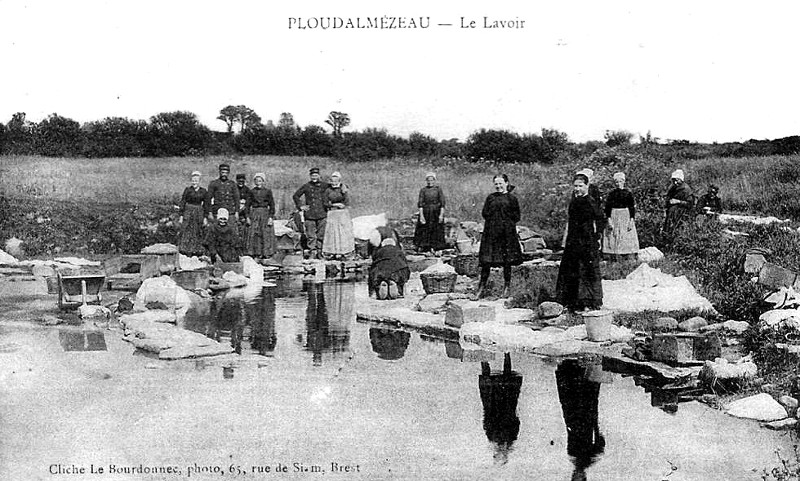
(467, 265)
(438, 283)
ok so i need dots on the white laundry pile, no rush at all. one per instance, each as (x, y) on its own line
(647, 288)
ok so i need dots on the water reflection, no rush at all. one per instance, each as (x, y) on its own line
(499, 395)
(329, 311)
(389, 344)
(241, 316)
(578, 394)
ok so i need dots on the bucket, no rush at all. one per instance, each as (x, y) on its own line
(598, 324)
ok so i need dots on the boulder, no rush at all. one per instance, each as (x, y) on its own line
(664, 324)
(693, 324)
(190, 263)
(783, 297)
(789, 403)
(87, 311)
(734, 327)
(776, 318)
(184, 352)
(549, 309)
(461, 312)
(6, 258)
(235, 280)
(788, 423)
(149, 316)
(754, 262)
(722, 374)
(650, 254)
(165, 289)
(160, 249)
(761, 407)
(683, 348)
(434, 303)
(14, 249)
(252, 269)
(775, 276)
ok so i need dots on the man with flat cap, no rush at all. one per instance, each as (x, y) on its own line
(223, 193)
(314, 211)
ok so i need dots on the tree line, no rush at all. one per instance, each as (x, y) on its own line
(180, 133)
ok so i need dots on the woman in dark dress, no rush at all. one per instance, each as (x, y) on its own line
(499, 242)
(680, 204)
(193, 212)
(260, 210)
(222, 239)
(389, 271)
(579, 282)
(429, 235)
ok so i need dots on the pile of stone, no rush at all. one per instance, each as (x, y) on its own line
(774, 414)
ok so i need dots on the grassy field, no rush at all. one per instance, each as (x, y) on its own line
(102, 206)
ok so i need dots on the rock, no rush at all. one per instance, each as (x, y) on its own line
(693, 324)
(165, 290)
(549, 310)
(160, 249)
(776, 318)
(753, 263)
(775, 276)
(40, 270)
(14, 249)
(735, 327)
(434, 303)
(49, 320)
(252, 269)
(234, 280)
(477, 355)
(761, 407)
(292, 260)
(461, 312)
(183, 352)
(783, 424)
(87, 311)
(560, 349)
(124, 305)
(164, 316)
(664, 324)
(729, 376)
(217, 284)
(789, 403)
(685, 347)
(650, 254)
(156, 305)
(190, 263)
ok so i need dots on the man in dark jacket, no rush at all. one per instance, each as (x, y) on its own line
(223, 193)
(313, 209)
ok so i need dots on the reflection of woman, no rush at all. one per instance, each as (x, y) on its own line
(260, 211)
(499, 395)
(340, 306)
(261, 316)
(193, 218)
(429, 235)
(388, 344)
(338, 239)
(317, 328)
(499, 242)
(579, 404)
(579, 283)
(620, 238)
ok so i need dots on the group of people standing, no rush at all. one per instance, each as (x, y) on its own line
(205, 218)
(207, 227)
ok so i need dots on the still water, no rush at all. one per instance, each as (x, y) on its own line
(398, 404)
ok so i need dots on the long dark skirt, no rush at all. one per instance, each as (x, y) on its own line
(430, 235)
(191, 241)
(579, 282)
(260, 235)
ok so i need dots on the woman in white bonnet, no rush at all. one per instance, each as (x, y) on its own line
(429, 234)
(679, 205)
(339, 240)
(620, 238)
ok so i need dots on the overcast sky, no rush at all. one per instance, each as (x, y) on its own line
(706, 71)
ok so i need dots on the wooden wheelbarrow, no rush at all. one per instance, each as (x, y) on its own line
(75, 290)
